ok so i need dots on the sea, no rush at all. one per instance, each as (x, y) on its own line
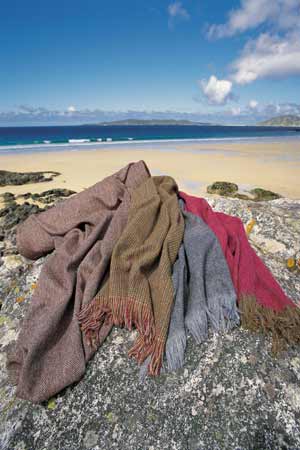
(31, 139)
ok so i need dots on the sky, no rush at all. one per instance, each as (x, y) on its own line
(69, 62)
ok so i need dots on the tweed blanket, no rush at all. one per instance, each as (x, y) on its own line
(50, 353)
(139, 291)
(262, 302)
(204, 294)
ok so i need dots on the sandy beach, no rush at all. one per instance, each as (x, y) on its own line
(272, 166)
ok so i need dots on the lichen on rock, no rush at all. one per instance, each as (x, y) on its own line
(231, 393)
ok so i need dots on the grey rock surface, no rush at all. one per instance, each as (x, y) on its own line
(231, 393)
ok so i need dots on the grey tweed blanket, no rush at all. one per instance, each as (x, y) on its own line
(204, 296)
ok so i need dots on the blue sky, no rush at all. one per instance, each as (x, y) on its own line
(85, 61)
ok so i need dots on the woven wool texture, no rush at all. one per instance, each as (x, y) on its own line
(139, 290)
(263, 305)
(205, 297)
(249, 274)
(50, 353)
(128, 252)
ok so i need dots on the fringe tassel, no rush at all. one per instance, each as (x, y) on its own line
(284, 325)
(197, 325)
(118, 311)
(157, 357)
(175, 349)
(91, 319)
(231, 317)
(124, 312)
(140, 352)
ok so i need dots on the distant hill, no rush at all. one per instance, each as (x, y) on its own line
(151, 122)
(282, 121)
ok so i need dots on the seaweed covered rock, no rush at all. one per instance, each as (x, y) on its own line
(49, 196)
(18, 178)
(10, 216)
(263, 195)
(52, 195)
(8, 197)
(227, 189)
(13, 214)
(222, 188)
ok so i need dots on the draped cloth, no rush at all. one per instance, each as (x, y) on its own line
(262, 303)
(205, 297)
(138, 290)
(125, 253)
(50, 353)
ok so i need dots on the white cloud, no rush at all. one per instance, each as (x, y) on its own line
(268, 110)
(269, 56)
(176, 12)
(275, 52)
(273, 109)
(217, 92)
(176, 9)
(30, 115)
(253, 104)
(236, 111)
(71, 109)
(284, 14)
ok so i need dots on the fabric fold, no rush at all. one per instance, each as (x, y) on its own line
(50, 353)
(262, 303)
(128, 252)
(204, 293)
(139, 290)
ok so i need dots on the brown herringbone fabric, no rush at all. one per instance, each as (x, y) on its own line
(139, 289)
(50, 353)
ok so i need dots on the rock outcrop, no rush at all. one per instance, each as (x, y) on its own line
(226, 189)
(231, 393)
(18, 178)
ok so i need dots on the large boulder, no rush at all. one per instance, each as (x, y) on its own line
(231, 393)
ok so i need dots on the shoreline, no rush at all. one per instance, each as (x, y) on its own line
(52, 147)
(273, 166)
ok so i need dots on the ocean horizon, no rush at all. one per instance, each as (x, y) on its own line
(78, 137)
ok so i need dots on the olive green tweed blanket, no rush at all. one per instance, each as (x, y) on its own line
(138, 290)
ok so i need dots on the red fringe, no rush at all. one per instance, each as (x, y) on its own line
(157, 358)
(126, 312)
(140, 352)
(119, 311)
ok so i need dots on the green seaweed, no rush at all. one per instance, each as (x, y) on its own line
(264, 195)
(222, 188)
